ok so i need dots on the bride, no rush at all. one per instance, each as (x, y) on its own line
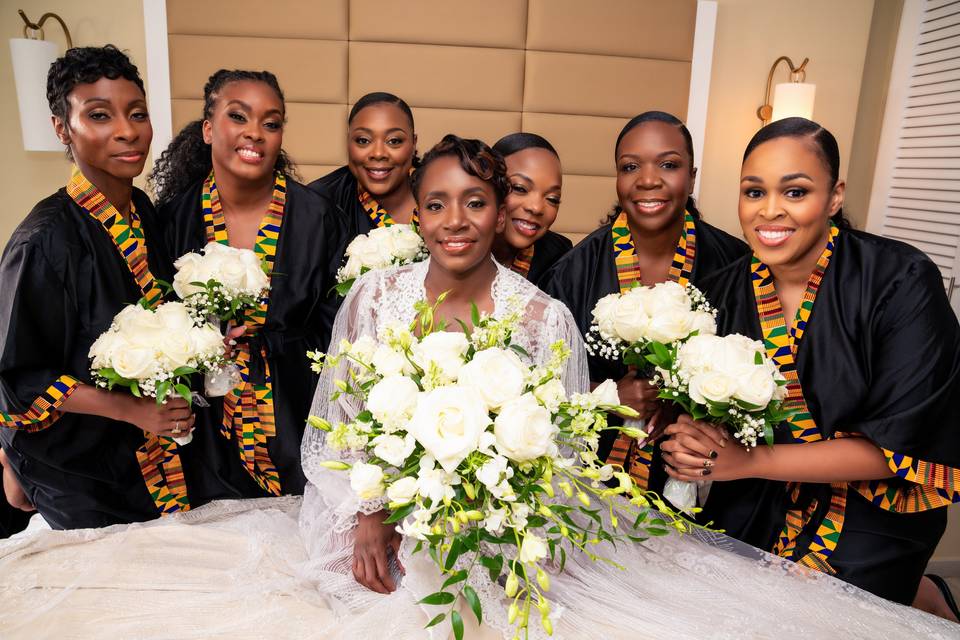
(674, 586)
(250, 569)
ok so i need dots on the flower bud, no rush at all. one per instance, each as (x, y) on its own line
(566, 488)
(547, 625)
(543, 579)
(548, 474)
(545, 511)
(512, 612)
(544, 606)
(474, 515)
(319, 423)
(454, 524)
(633, 432)
(462, 517)
(564, 531)
(548, 488)
(583, 498)
(336, 465)
(469, 490)
(512, 584)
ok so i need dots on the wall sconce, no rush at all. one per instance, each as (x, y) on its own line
(794, 98)
(32, 57)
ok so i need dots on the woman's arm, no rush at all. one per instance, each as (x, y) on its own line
(172, 418)
(696, 450)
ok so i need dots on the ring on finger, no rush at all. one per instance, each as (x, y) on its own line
(176, 427)
(707, 464)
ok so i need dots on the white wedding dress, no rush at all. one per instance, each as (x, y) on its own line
(281, 568)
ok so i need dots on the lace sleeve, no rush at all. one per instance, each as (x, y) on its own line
(357, 317)
(560, 325)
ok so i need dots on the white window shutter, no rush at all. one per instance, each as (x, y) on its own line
(916, 191)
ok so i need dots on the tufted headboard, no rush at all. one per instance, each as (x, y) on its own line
(571, 70)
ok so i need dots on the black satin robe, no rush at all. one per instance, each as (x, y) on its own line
(62, 280)
(299, 319)
(546, 252)
(340, 187)
(589, 272)
(880, 356)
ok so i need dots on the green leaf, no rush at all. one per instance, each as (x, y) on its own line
(455, 550)
(474, 314)
(400, 513)
(184, 392)
(163, 389)
(520, 350)
(463, 325)
(757, 358)
(474, 601)
(457, 622)
(458, 576)
(439, 597)
(184, 371)
(437, 620)
(493, 565)
(660, 350)
(135, 390)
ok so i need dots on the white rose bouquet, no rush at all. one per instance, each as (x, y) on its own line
(220, 281)
(483, 459)
(383, 247)
(153, 352)
(727, 380)
(630, 326)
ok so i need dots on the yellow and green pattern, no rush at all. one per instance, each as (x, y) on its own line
(781, 346)
(638, 460)
(43, 411)
(158, 456)
(248, 414)
(521, 263)
(379, 216)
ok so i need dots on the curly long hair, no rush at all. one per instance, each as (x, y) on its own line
(476, 158)
(188, 158)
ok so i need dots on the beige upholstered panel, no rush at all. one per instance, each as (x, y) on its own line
(313, 19)
(585, 143)
(194, 58)
(491, 23)
(579, 83)
(570, 70)
(457, 77)
(656, 29)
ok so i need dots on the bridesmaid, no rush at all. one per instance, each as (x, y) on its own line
(533, 169)
(654, 234)
(225, 178)
(859, 481)
(85, 456)
(373, 189)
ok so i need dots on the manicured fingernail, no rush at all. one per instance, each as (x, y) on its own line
(232, 342)
(713, 454)
(706, 472)
(723, 442)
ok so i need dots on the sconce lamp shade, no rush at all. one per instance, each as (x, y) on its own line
(31, 62)
(793, 99)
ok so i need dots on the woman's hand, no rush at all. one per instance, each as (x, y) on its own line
(230, 340)
(371, 567)
(173, 419)
(638, 394)
(12, 490)
(696, 450)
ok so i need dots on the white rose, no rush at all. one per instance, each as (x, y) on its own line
(393, 399)
(255, 278)
(366, 480)
(524, 429)
(606, 394)
(207, 340)
(756, 387)
(128, 321)
(551, 394)
(630, 319)
(177, 349)
(604, 313)
(106, 348)
(390, 362)
(188, 266)
(373, 252)
(532, 550)
(699, 353)
(362, 350)
(444, 348)
(407, 242)
(667, 295)
(403, 491)
(393, 449)
(714, 386)
(496, 374)
(703, 323)
(670, 324)
(448, 422)
(175, 317)
(351, 270)
(737, 352)
(135, 363)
